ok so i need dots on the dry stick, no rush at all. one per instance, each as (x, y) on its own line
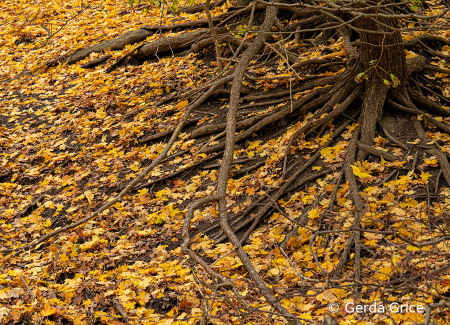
(298, 77)
(120, 309)
(255, 218)
(208, 84)
(133, 183)
(185, 246)
(291, 57)
(333, 199)
(322, 128)
(282, 190)
(387, 177)
(271, 13)
(28, 288)
(249, 26)
(226, 299)
(316, 123)
(302, 220)
(214, 35)
(124, 57)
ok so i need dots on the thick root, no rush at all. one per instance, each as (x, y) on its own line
(371, 111)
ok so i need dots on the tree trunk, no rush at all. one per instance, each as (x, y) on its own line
(383, 63)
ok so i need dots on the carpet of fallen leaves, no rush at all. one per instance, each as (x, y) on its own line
(66, 140)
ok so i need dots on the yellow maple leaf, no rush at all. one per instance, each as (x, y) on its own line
(313, 214)
(358, 172)
(142, 191)
(425, 176)
(100, 113)
(89, 196)
(181, 104)
(412, 248)
(431, 161)
(384, 273)
(48, 310)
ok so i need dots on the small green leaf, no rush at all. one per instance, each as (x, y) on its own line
(415, 8)
(393, 77)
(372, 62)
(359, 77)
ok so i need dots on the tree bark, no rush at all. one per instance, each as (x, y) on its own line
(383, 63)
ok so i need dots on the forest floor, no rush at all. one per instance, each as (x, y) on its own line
(71, 138)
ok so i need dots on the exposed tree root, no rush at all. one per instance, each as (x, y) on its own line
(390, 137)
(173, 43)
(377, 152)
(321, 82)
(225, 38)
(165, 133)
(244, 219)
(173, 174)
(318, 121)
(355, 237)
(196, 8)
(142, 33)
(300, 105)
(225, 173)
(208, 129)
(371, 111)
(31, 205)
(114, 44)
